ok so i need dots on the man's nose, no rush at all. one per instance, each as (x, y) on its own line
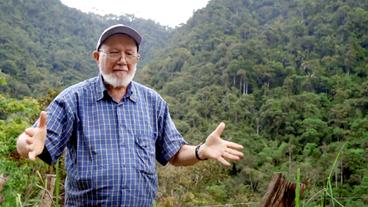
(122, 58)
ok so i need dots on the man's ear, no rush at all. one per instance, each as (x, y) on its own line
(96, 55)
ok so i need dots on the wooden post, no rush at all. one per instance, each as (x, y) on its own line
(280, 192)
(47, 194)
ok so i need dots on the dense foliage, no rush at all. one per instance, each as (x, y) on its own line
(288, 77)
(290, 80)
(46, 44)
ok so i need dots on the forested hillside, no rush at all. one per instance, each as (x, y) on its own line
(290, 80)
(288, 77)
(46, 44)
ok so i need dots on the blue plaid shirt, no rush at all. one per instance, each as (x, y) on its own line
(111, 148)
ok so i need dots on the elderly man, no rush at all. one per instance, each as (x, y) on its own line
(114, 129)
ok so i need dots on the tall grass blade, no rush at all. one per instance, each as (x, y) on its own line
(329, 185)
(297, 189)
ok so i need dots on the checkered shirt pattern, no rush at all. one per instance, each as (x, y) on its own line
(111, 148)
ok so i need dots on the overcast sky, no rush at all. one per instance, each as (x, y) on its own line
(166, 12)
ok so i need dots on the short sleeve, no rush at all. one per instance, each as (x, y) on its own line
(60, 122)
(169, 139)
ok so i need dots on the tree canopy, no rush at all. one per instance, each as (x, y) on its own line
(288, 77)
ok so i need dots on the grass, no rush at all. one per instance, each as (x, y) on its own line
(327, 192)
(22, 178)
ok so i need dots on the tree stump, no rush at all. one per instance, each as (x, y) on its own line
(280, 192)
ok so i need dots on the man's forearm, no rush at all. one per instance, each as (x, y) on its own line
(186, 156)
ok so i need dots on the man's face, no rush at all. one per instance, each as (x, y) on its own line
(117, 60)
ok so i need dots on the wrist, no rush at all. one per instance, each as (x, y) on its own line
(198, 153)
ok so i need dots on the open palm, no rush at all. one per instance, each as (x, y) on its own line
(219, 149)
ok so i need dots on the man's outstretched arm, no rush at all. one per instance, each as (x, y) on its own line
(214, 148)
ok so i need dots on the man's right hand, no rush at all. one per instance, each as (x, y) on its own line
(32, 141)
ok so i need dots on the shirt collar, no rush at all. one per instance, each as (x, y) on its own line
(101, 90)
(130, 94)
(133, 92)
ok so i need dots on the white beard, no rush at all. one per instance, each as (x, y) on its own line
(117, 82)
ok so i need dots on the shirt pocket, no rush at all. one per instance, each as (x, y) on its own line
(146, 154)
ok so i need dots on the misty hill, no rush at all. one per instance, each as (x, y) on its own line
(47, 44)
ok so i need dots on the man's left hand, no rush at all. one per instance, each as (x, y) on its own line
(218, 149)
